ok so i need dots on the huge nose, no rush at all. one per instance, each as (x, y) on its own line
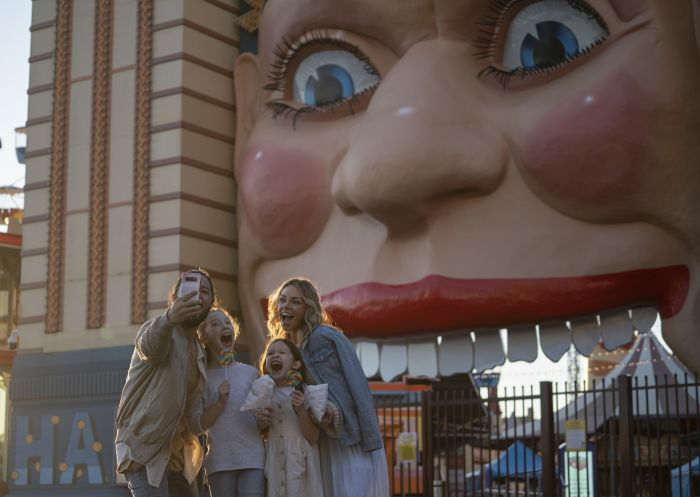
(424, 140)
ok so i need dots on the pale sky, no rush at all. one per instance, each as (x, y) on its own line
(15, 19)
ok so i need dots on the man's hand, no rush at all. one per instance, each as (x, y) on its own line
(224, 391)
(184, 308)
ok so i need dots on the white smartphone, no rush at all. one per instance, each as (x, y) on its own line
(189, 282)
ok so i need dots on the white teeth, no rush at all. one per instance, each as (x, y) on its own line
(464, 352)
(586, 334)
(616, 328)
(456, 354)
(643, 318)
(422, 359)
(522, 343)
(368, 354)
(555, 340)
(488, 350)
(393, 361)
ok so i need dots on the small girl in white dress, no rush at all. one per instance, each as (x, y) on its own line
(292, 464)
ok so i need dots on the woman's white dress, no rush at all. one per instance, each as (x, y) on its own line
(349, 471)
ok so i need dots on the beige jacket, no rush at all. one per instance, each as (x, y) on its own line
(154, 400)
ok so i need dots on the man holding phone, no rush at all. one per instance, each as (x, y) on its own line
(157, 450)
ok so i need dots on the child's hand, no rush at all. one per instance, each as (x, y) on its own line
(297, 400)
(224, 391)
(263, 417)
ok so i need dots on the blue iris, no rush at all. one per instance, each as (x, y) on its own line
(333, 83)
(556, 43)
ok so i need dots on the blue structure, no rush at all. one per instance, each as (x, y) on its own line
(681, 478)
(516, 462)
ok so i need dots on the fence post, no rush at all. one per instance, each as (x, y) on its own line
(624, 384)
(549, 478)
(428, 457)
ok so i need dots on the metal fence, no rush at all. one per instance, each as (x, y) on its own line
(630, 437)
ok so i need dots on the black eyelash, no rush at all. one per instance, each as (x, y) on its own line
(486, 41)
(504, 77)
(280, 108)
(490, 26)
(287, 48)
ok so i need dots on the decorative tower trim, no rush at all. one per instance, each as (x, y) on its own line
(142, 139)
(59, 163)
(99, 163)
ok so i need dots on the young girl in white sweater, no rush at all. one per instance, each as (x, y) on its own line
(236, 456)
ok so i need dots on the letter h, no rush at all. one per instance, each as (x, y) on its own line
(27, 447)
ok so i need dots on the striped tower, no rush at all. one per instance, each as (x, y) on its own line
(129, 181)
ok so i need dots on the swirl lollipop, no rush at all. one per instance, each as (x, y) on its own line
(225, 358)
(295, 379)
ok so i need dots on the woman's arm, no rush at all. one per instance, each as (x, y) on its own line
(308, 427)
(359, 390)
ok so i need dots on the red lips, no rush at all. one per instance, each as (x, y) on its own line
(439, 303)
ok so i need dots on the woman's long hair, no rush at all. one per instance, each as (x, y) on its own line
(313, 316)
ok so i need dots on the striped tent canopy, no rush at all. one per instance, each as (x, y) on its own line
(659, 382)
(658, 377)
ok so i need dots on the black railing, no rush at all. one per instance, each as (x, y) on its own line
(624, 438)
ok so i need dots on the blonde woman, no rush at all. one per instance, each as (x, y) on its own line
(354, 463)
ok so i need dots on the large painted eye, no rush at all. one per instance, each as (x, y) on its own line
(331, 76)
(551, 32)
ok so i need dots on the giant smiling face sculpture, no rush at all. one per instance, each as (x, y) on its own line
(441, 167)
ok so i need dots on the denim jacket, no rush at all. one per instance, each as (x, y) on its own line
(331, 359)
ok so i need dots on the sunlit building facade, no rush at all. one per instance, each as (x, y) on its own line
(129, 181)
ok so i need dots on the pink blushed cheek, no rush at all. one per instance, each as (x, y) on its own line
(592, 151)
(286, 198)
